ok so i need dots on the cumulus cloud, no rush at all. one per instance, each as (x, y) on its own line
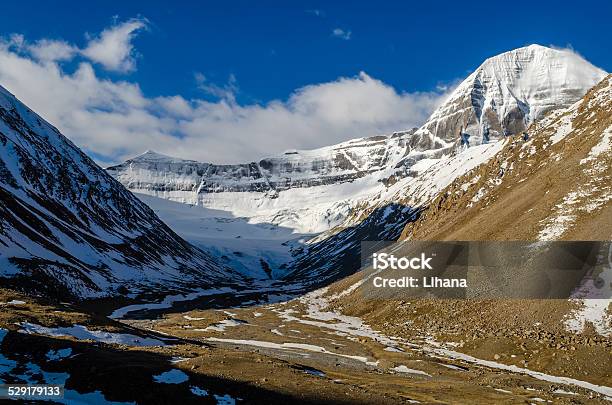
(114, 120)
(342, 34)
(113, 47)
(44, 50)
(47, 50)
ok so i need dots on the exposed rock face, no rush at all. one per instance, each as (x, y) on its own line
(68, 227)
(294, 169)
(511, 90)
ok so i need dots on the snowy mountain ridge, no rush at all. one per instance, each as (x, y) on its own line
(68, 227)
(339, 163)
(504, 95)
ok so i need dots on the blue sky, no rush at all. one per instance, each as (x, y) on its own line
(250, 55)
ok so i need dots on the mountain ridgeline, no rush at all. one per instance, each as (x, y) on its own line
(159, 174)
(502, 97)
(70, 229)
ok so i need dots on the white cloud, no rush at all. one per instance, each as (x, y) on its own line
(342, 34)
(113, 119)
(47, 50)
(113, 47)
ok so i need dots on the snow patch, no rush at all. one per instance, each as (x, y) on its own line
(199, 392)
(173, 376)
(168, 301)
(53, 355)
(404, 369)
(81, 332)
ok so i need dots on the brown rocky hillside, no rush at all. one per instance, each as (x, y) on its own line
(555, 185)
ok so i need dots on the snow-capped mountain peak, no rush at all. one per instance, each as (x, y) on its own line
(509, 91)
(152, 156)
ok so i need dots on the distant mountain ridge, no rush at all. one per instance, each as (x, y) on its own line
(339, 163)
(502, 97)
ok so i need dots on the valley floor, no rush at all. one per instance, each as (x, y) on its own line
(297, 350)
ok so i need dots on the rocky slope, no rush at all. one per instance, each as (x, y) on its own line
(68, 227)
(554, 184)
(557, 184)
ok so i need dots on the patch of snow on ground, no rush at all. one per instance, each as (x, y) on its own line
(607, 391)
(565, 125)
(168, 301)
(602, 146)
(404, 369)
(225, 400)
(173, 376)
(593, 311)
(452, 367)
(13, 302)
(189, 318)
(595, 304)
(81, 332)
(291, 346)
(316, 373)
(59, 354)
(199, 392)
(220, 326)
(564, 392)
